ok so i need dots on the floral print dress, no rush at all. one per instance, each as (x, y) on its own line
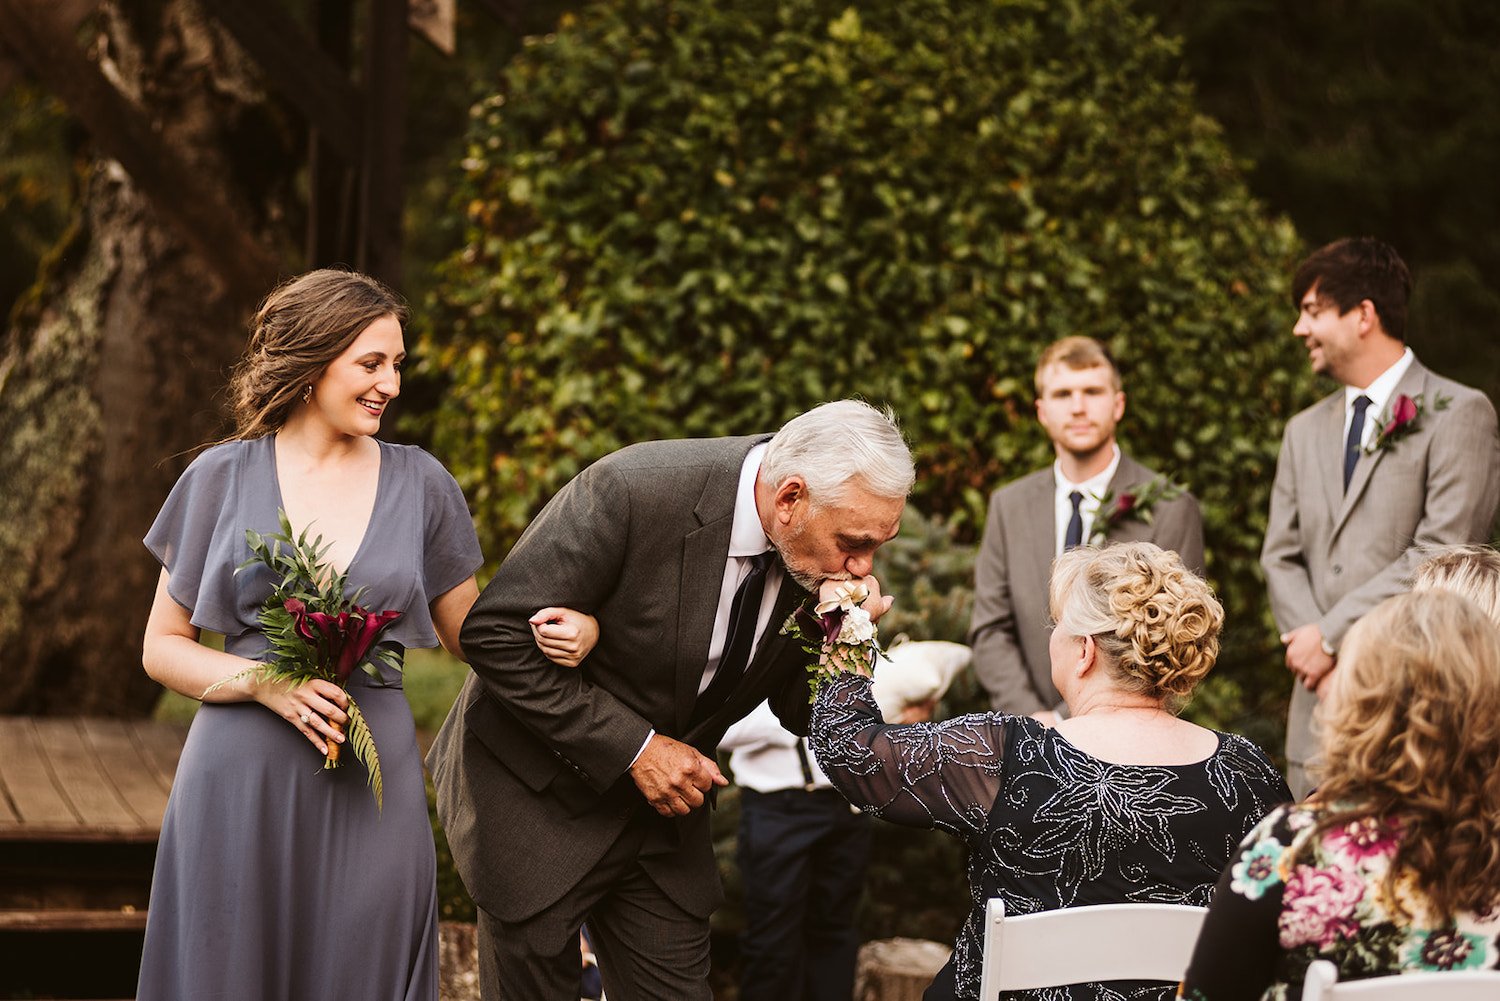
(1273, 916)
(1047, 825)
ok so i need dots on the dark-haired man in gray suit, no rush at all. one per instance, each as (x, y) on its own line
(1031, 520)
(1370, 480)
(577, 794)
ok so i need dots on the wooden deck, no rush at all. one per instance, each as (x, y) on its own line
(82, 780)
(81, 805)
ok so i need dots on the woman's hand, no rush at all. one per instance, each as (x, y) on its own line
(564, 635)
(315, 708)
(876, 604)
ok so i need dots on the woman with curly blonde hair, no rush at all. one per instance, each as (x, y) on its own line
(1393, 865)
(1121, 801)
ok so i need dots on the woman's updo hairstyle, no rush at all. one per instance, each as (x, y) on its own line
(1156, 622)
(302, 326)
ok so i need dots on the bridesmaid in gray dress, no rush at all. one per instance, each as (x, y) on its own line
(275, 878)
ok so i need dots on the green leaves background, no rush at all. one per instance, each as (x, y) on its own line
(702, 218)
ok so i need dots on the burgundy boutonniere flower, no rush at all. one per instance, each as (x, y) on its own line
(1137, 503)
(1401, 419)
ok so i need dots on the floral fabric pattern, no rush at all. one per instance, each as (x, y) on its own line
(1289, 899)
(1047, 825)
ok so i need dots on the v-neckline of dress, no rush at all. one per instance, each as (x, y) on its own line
(364, 537)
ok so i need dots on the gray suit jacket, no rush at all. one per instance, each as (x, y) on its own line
(1011, 621)
(1330, 555)
(531, 766)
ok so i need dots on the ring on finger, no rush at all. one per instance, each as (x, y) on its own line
(306, 718)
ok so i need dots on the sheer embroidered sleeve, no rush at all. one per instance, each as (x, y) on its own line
(943, 775)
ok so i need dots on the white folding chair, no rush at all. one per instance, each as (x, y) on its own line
(1322, 984)
(1078, 945)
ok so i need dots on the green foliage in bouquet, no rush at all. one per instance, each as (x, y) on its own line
(318, 633)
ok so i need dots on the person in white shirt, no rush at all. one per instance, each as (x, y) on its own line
(1036, 518)
(1370, 480)
(802, 851)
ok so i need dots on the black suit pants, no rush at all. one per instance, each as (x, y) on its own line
(649, 948)
(803, 857)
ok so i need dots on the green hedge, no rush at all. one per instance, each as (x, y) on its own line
(700, 218)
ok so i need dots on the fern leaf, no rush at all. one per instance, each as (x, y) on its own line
(363, 743)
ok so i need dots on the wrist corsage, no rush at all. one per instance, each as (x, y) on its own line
(837, 632)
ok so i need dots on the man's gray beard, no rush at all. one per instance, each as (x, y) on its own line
(807, 579)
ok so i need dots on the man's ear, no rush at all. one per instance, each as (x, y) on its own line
(1369, 318)
(789, 493)
(1119, 405)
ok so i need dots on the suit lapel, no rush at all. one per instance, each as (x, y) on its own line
(1328, 453)
(1128, 474)
(705, 553)
(1413, 383)
(1040, 545)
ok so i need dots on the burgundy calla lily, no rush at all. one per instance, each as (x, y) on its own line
(828, 624)
(1403, 411)
(360, 628)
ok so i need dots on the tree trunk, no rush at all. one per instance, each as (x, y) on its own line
(110, 373)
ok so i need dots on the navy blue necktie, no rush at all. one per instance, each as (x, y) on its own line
(744, 611)
(1074, 536)
(1356, 436)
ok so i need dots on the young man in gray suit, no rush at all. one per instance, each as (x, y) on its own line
(1370, 480)
(1033, 519)
(578, 794)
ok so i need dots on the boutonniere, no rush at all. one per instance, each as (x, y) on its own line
(1400, 420)
(1137, 503)
(837, 633)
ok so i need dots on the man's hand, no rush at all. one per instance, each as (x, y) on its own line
(673, 776)
(1305, 656)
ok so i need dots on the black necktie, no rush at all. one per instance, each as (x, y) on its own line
(1356, 436)
(1074, 535)
(744, 610)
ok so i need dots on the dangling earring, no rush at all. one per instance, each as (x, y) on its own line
(307, 394)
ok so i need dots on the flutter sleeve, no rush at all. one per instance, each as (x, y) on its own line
(435, 548)
(199, 538)
(450, 552)
(943, 775)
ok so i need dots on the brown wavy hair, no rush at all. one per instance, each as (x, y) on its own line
(1156, 622)
(302, 326)
(1412, 734)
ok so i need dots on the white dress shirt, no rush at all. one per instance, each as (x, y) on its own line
(1379, 394)
(1092, 489)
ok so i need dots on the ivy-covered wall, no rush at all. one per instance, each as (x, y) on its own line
(700, 218)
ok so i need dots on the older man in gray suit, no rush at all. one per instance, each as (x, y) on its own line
(1370, 480)
(577, 794)
(1032, 520)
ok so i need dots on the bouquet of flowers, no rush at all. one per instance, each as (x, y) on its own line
(316, 632)
(838, 632)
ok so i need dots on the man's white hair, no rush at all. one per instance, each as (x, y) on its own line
(847, 441)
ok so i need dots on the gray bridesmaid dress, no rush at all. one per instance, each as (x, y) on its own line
(276, 879)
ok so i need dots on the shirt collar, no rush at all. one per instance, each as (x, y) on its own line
(746, 536)
(1094, 486)
(1379, 392)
